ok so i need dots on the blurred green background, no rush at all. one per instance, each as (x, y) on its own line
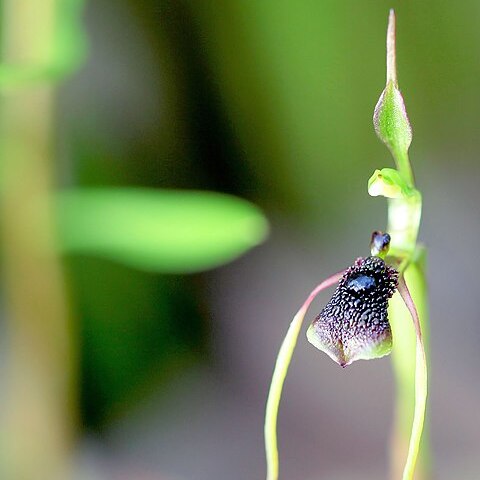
(271, 102)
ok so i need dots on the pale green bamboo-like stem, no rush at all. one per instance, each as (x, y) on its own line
(38, 430)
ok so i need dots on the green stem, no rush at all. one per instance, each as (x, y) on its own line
(404, 213)
(42, 368)
(284, 358)
(404, 216)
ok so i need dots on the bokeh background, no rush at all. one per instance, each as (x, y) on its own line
(270, 101)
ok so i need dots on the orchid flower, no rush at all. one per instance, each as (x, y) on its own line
(355, 324)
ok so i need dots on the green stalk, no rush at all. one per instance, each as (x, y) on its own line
(404, 214)
(284, 358)
(39, 427)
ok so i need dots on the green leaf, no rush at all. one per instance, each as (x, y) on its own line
(159, 230)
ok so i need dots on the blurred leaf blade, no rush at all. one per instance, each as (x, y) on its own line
(168, 231)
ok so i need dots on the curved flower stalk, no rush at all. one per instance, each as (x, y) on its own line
(280, 372)
(355, 323)
(420, 383)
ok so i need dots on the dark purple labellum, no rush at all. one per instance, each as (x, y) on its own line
(354, 323)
